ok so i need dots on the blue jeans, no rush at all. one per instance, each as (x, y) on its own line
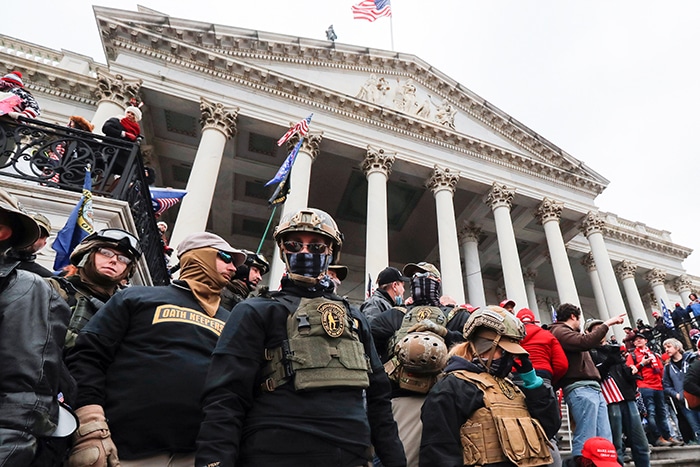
(624, 418)
(657, 416)
(590, 413)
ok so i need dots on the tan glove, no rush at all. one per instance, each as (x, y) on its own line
(428, 325)
(92, 443)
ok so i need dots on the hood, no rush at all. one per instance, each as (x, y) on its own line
(458, 363)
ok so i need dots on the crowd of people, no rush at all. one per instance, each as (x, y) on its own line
(214, 370)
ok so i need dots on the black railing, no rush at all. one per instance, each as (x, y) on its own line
(56, 156)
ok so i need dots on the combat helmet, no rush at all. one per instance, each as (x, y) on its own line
(251, 260)
(114, 238)
(497, 325)
(422, 352)
(314, 221)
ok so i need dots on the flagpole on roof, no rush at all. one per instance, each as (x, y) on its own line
(391, 31)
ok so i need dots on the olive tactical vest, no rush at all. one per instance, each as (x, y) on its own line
(323, 349)
(502, 430)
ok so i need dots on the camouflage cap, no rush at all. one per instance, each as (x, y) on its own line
(412, 268)
(44, 223)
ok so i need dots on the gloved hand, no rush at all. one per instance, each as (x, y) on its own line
(92, 443)
(130, 136)
(428, 325)
(525, 365)
(14, 115)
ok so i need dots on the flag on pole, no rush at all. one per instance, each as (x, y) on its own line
(554, 314)
(283, 177)
(668, 322)
(369, 286)
(78, 226)
(301, 127)
(165, 198)
(371, 10)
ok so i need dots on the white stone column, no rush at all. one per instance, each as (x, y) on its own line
(218, 125)
(657, 279)
(298, 196)
(469, 236)
(589, 263)
(500, 199)
(592, 228)
(114, 93)
(442, 183)
(529, 278)
(625, 271)
(377, 166)
(684, 286)
(549, 214)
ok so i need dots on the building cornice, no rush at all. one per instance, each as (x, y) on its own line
(221, 53)
(629, 236)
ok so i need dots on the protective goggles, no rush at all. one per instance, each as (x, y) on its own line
(121, 237)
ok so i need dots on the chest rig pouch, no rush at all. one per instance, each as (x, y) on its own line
(322, 350)
(503, 429)
(417, 357)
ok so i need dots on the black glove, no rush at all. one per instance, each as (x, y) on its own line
(525, 365)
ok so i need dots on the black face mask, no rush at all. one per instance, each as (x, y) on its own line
(425, 291)
(500, 367)
(308, 264)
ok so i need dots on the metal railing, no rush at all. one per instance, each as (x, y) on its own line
(56, 156)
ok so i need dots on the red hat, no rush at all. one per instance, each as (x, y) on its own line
(15, 78)
(506, 302)
(655, 314)
(468, 307)
(526, 316)
(601, 451)
(678, 304)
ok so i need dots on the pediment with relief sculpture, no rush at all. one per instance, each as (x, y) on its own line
(396, 91)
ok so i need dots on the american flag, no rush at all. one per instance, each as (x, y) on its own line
(301, 127)
(165, 198)
(668, 321)
(371, 10)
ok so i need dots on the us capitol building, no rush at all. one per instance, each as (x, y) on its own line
(411, 164)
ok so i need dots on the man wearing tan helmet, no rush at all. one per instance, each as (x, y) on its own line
(289, 375)
(142, 360)
(33, 321)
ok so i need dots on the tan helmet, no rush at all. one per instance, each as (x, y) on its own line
(422, 352)
(314, 221)
(497, 324)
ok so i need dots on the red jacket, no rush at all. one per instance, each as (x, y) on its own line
(545, 351)
(652, 372)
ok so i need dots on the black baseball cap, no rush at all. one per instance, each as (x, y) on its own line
(389, 275)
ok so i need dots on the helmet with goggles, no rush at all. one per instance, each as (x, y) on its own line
(112, 238)
(313, 221)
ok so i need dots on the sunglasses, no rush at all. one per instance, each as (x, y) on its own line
(314, 248)
(225, 257)
(110, 254)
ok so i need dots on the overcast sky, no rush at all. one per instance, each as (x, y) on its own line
(612, 82)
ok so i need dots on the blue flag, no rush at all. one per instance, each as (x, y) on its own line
(554, 314)
(286, 166)
(78, 226)
(668, 322)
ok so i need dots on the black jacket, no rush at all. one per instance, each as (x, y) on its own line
(610, 362)
(378, 303)
(452, 401)
(143, 357)
(27, 262)
(33, 320)
(246, 426)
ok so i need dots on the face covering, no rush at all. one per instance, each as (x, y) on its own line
(398, 300)
(501, 367)
(425, 290)
(308, 264)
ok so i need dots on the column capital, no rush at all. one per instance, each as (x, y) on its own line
(310, 145)
(625, 269)
(469, 232)
(218, 117)
(500, 195)
(115, 88)
(683, 284)
(591, 224)
(549, 210)
(377, 160)
(530, 275)
(656, 277)
(442, 179)
(588, 262)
